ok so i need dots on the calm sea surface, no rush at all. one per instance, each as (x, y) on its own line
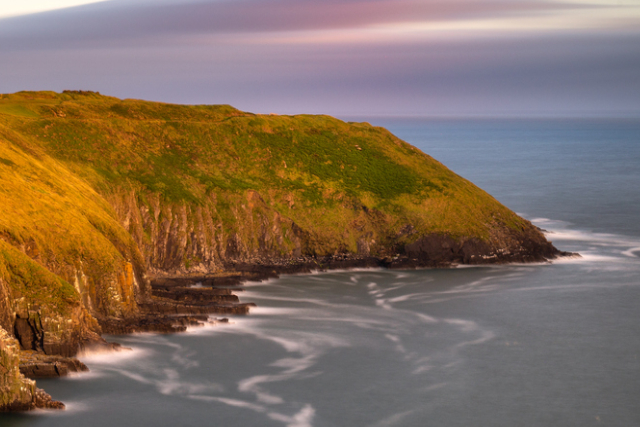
(522, 345)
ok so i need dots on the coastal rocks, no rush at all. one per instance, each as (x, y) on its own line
(189, 301)
(40, 330)
(18, 393)
(176, 304)
(197, 296)
(30, 333)
(434, 250)
(42, 400)
(38, 365)
(151, 323)
(158, 324)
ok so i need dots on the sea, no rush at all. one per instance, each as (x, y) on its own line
(550, 344)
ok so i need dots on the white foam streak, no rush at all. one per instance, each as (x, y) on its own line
(393, 338)
(398, 344)
(545, 222)
(465, 325)
(169, 383)
(382, 303)
(433, 387)
(394, 419)
(426, 319)
(601, 247)
(134, 376)
(83, 376)
(290, 345)
(251, 385)
(588, 258)
(289, 299)
(302, 419)
(115, 358)
(405, 297)
(485, 336)
(577, 235)
(207, 328)
(231, 402)
(423, 365)
(310, 346)
(70, 408)
(632, 252)
(276, 311)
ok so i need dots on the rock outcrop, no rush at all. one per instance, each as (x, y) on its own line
(18, 393)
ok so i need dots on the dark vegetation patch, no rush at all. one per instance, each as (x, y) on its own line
(6, 162)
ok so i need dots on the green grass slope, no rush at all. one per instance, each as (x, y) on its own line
(345, 185)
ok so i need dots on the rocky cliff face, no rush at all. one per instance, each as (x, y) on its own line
(180, 239)
(64, 257)
(40, 309)
(16, 391)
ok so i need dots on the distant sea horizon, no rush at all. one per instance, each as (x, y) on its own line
(630, 115)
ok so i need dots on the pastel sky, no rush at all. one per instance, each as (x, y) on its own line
(341, 57)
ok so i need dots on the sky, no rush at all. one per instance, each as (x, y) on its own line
(341, 57)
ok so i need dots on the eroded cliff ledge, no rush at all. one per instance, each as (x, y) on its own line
(99, 195)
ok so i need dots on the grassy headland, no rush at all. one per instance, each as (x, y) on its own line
(316, 170)
(96, 191)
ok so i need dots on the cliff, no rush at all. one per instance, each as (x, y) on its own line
(98, 194)
(16, 391)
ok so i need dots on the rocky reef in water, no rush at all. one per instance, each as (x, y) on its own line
(122, 215)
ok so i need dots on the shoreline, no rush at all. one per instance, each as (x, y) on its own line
(179, 302)
(236, 273)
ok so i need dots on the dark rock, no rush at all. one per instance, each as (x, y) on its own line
(101, 346)
(196, 296)
(176, 304)
(30, 333)
(39, 365)
(27, 334)
(151, 323)
(44, 401)
(18, 393)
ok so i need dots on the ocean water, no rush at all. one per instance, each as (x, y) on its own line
(554, 344)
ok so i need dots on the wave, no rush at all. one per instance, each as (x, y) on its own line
(395, 419)
(631, 252)
(227, 401)
(563, 230)
(594, 247)
(587, 257)
(276, 311)
(71, 407)
(115, 358)
(301, 419)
